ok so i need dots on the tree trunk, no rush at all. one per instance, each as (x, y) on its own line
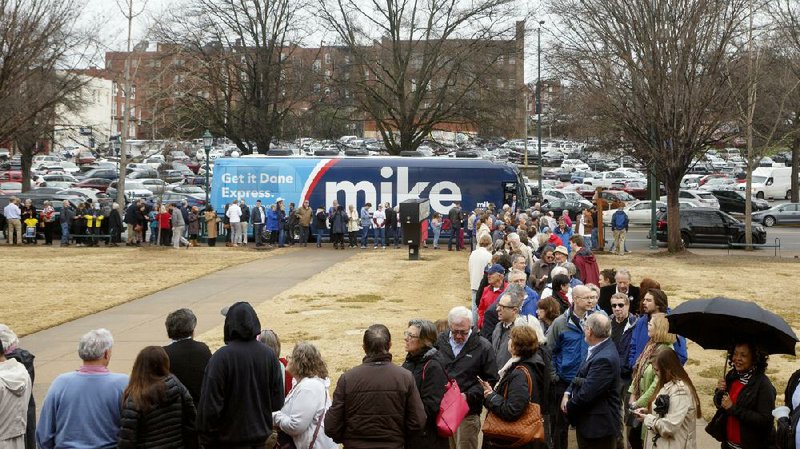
(26, 159)
(674, 242)
(795, 169)
(748, 206)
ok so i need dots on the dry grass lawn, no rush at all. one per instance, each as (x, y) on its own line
(333, 308)
(47, 286)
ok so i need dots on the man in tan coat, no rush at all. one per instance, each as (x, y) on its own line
(303, 215)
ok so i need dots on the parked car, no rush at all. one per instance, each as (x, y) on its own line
(9, 187)
(734, 201)
(172, 176)
(701, 197)
(783, 214)
(143, 173)
(85, 157)
(636, 189)
(196, 191)
(11, 175)
(108, 173)
(559, 206)
(710, 226)
(100, 184)
(177, 198)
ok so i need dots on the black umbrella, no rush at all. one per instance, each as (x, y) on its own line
(719, 323)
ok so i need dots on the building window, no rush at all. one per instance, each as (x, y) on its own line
(500, 83)
(158, 63)
(317, 65)
(512, 83)
(413, 85)
(327, 58)
(512, 60)
(327, 73)
(366, 74)
(317, 88)
(283, 56)
(501, 60)
(347, 59)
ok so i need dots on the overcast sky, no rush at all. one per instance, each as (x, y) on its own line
(114, 29)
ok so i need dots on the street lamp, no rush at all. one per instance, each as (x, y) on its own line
(208, 139)
(539, 101)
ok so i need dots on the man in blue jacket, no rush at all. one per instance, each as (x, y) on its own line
(619, 226)
(565, 341)
(592, 402)
(654, 301)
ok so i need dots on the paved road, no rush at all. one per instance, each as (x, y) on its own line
(789, 239)
(140, 323)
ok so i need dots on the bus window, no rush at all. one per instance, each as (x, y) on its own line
(509, 190)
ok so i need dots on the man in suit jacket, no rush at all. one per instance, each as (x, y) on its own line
(592, 401)
(623, 285)
(187, 358)
(258, 216)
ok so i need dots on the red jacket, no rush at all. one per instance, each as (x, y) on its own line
(588, 270)
(165, 220)
(488, 298)
(555, 240)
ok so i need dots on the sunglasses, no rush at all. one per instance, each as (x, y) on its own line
(617, 306)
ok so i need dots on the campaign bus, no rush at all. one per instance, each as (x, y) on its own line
(359, 180)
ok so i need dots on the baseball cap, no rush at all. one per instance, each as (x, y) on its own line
(496, 268)
(561, 249)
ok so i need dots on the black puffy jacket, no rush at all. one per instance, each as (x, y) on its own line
(475, 359)
(431, 385)
(169, 424)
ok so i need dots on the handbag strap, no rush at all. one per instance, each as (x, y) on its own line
(530, 383)
(319, 423)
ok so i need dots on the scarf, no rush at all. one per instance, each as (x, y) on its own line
(744, 378)
(504, 370)
(641, 365)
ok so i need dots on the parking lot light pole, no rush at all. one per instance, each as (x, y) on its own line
(539, 102)
(208, 139)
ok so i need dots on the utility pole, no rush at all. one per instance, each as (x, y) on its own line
(539, 102)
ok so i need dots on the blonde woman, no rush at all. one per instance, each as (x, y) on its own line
(645, 378)
(353, 225)
(303, 414)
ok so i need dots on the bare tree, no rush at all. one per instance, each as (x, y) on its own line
(39, 44)
(240, 76)
(420, 64)
(657, 72)
(786, 15)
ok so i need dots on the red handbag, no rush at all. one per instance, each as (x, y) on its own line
(452, 409)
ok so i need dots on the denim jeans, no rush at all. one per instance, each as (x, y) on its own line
(281, 238)
(380, 233)
(64, 233)
(588, 241)
(453, 235)
(304, 235)
(258, 229)
(595, 241)
(436, 233)
(364, 236)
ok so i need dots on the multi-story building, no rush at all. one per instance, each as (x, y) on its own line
(89, 124)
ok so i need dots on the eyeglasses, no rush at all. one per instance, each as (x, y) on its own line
(409, 336)
(618, 306)
(502, 306)
(518, 281)
(457, 332)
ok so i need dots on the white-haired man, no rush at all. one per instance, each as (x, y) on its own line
(82, 408)
(467, 356)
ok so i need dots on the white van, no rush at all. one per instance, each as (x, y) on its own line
(772, 182)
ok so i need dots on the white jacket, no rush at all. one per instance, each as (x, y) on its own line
(302, 410)
(677, 428)
(234, 213)
(477, 265)
(15, 392)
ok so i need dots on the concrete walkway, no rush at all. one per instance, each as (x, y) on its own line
(140, 323)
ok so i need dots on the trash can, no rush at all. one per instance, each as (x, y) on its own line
(412, 213)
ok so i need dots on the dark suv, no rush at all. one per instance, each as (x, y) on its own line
(707, 225)
(734, 201)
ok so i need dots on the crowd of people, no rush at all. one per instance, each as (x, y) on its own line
(277, 224)
(547, 335)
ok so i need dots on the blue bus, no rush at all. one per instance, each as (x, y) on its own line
(359, 180)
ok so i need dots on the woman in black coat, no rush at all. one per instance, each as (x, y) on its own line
(158, 411)
(430, 378)
(745, 399)
(115, 225)
(338, 227)
(509, 398)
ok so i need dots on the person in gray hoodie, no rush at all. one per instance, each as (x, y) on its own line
(15, 392)
(178, 225)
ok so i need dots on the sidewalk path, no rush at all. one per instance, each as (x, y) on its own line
(140, 323)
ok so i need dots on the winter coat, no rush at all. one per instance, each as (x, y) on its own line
(130, 213)
(320, 220)
(455, 217)
(540, 268)
(245, 218)
(366, 220)
(376, 405)
(475, 359)
(564, 235)
(489, 297)
(164, 220)
(67, 215)
(177, 219)
(15, 394)
(619, 221)
(242, 385)
(273, 225)
(565, 341)
(478, 260)
(301, 413)
(587, 267)
(594, 405)
(431, 390)
(677, 428)
(194, 223)
(211, 224)
(640, 337)
(304, 216)
(500, 337)
(510, 397)
(26, 359)
(353, 222)
(167, 424)
(187, 361)
(753, 409)
(114, 221)
(339, 222)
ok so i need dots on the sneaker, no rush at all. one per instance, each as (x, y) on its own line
(375, 247)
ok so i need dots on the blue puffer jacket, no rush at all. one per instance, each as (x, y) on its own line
(564, 236)
(639, 339)
(366, 221)
(567, 346)
(619, 221)
(273, 224)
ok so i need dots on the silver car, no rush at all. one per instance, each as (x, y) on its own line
(787, 213)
